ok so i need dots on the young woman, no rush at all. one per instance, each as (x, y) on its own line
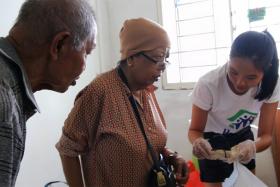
(226, 102)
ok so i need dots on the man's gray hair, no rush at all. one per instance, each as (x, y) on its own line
(43, 19)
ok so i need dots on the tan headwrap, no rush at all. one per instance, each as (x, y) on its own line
(141, 34)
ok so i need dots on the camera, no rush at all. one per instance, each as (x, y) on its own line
(161, 175)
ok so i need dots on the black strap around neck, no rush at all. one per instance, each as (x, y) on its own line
(138, 117)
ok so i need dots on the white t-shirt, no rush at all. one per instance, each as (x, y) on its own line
(228, 112)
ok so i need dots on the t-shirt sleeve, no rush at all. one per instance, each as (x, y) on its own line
(81, 124)
(275, 97)
(202, 96)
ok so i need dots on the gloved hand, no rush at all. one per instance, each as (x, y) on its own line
(202, 148)
(247, 151)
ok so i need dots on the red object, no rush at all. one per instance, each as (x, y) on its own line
(194, 177)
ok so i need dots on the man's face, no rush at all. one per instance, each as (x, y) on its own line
(71, 64)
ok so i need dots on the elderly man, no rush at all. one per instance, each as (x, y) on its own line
(45, 49)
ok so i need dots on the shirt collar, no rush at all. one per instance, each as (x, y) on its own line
(9, 52)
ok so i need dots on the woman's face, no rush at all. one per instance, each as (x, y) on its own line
(148, 66)
(243, 75)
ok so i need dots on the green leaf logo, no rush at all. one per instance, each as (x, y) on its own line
(242, 119)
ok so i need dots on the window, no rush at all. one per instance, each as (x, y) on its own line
(201, 33)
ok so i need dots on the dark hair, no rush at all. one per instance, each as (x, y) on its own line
(261, 49)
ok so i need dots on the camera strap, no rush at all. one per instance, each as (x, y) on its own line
(138, 118)
(160, 178)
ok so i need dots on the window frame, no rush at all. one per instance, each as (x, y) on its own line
(184, 85)
(235, 29)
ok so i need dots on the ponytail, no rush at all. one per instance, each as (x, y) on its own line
(270, 77)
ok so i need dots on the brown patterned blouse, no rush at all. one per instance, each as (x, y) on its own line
(103, 130)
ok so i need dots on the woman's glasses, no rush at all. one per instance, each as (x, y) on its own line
(164, 61)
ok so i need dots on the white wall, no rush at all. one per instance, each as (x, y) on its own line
(8, 8)
(41, 161)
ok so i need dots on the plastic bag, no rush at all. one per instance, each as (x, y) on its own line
(242, 177)
(194, 176)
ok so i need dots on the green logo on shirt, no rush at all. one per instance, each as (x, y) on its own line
(242, 119)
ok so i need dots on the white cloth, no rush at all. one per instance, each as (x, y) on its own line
(228, 112)
(242, 177)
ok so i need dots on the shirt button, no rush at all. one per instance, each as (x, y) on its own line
(149, 128)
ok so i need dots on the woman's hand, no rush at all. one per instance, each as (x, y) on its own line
(180, 168)
(202, 148)
(247, 151)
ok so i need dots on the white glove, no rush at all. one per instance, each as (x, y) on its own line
(247, 151)
(202, 148)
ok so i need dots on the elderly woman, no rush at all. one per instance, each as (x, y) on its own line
(103, 127)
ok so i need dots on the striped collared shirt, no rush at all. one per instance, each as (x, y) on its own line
(17, 104)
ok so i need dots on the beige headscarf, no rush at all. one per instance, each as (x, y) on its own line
(141, 34)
